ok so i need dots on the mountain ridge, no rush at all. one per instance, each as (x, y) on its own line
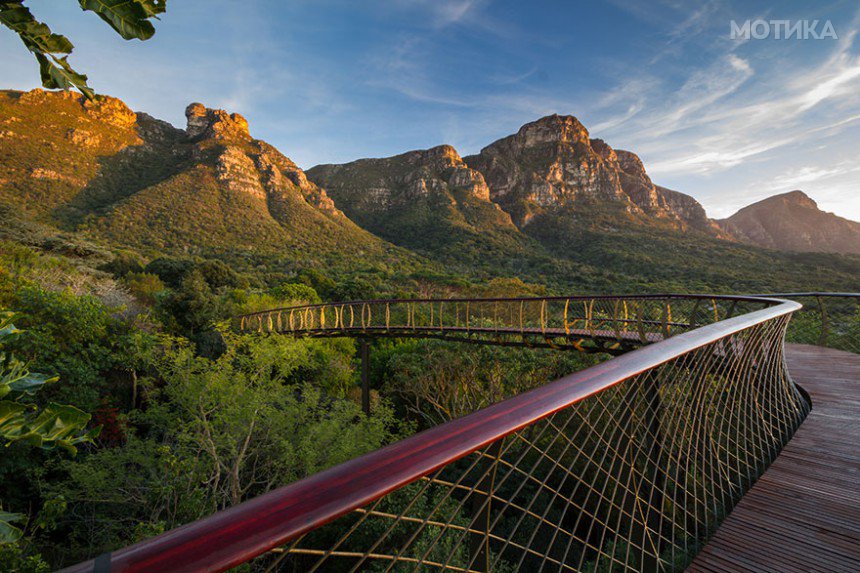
(549, 204)
(120, 176)
(792, 221)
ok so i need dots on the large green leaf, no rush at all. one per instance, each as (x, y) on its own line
(8, 532)
(128, 17)
(58, 74)
(55, 426)
(49, 49)
(12, 419)
(30, 383)
(153, 7)
(36, 35)
(58, 425)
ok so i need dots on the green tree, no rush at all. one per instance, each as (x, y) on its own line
(130, 19)
(55, 425)
(296, 292)
(215, 432)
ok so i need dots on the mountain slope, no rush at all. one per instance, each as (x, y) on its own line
(596, 206)
(548, 204)
(429, 201)
(210, 189)
(793, 222)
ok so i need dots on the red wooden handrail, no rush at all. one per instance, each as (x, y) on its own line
(236, 535)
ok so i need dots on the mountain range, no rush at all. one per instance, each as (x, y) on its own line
(548, 203)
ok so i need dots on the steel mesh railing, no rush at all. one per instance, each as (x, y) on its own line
(627, 466)
(632, 478)
(826, 319)
(612, 324)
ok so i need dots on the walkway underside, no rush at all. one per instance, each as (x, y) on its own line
(595, 341)
(803, 514)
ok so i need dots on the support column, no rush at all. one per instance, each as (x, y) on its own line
(365, 375)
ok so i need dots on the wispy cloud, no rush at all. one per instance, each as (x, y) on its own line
(713, 123)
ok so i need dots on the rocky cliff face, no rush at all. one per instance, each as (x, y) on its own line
(103, 169)
(552, 165)
(793, 222)
(547, 164)
(428, 200)
(376, 185)
(249, 165)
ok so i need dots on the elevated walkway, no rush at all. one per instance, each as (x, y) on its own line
(803, 514)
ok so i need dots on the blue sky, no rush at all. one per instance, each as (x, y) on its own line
(727, 121)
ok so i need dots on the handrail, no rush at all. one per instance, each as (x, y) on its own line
(236, 535)
(805, 294)
(554, 298)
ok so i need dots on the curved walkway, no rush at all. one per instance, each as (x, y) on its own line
(803, 514)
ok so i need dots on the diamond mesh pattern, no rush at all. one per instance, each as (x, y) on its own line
(633, 478)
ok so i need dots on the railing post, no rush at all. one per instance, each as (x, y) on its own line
(365, 375)
(654, 449)
(825, 327)
(482, 503)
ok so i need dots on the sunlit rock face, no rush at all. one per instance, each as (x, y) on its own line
(378, 184)
(552, 166)
(793, 222)
(426, 199)
(249, 165)
(132, 179)
(215, 123)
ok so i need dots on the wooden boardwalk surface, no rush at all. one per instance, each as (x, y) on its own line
(803, 514)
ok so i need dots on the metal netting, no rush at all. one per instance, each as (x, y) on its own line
(827, 319)
(633, 478)
(613, 324)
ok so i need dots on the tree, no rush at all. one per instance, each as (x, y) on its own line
(130, 19)
(55, 425)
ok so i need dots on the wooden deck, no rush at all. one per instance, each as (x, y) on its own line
(803, 514)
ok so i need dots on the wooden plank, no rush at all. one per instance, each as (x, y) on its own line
(803, 514)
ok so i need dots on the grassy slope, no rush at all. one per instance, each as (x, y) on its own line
(147, 187)
(659, 259)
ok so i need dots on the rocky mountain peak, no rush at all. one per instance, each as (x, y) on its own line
(792, 221)
(552, 166)
(552, 129)
(204, 122)
(797, 197)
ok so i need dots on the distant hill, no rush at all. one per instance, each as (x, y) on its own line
(130, 179)
(793, 222)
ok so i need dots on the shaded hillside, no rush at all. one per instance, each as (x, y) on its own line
(793, 222)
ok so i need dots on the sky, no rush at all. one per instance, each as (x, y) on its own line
(728, 121)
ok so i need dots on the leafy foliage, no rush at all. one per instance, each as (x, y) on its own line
(20, 421)
(130, 19)
(55, 425)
